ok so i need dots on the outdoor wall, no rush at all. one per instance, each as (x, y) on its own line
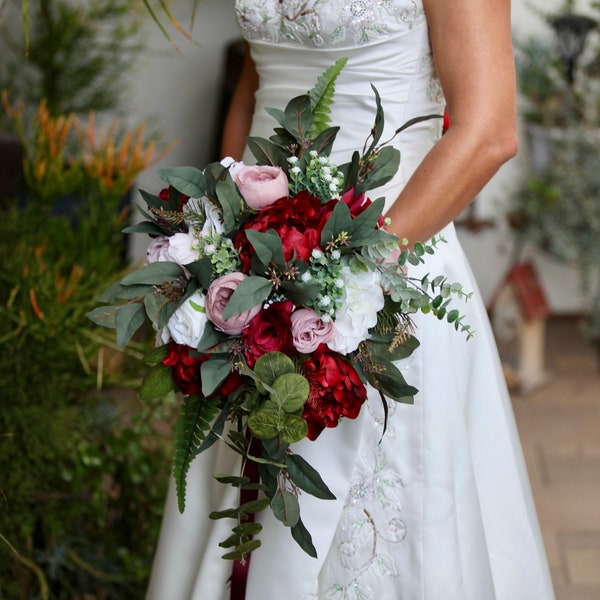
(179, 95)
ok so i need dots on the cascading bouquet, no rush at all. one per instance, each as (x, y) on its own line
(277, 296)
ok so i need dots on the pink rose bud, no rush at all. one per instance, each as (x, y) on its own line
(309, 331)
(217, 297)
(260, 186)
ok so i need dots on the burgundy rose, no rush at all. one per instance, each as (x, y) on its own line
(357, 203)
(185, 370)
(336, 391)
(269, 331)
(298, 221)
(167, 193)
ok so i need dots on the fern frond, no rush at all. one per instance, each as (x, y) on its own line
(321, 98)
(192, 427)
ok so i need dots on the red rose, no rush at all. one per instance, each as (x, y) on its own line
(185, 367)
(269, 331)
(186, 371)
(298, 221)
(336, 390)
(166, 194)
(357, 203)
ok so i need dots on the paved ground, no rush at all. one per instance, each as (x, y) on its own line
(559, 425)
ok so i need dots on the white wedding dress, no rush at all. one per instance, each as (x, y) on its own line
(441, 509)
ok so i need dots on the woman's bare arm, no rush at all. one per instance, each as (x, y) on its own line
(239, 115)
(473, 55)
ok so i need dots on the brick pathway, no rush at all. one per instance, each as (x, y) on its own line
(559, 425)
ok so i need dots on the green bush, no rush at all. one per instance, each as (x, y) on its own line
(83, 472)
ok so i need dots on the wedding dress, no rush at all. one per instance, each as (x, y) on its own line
(441, 509)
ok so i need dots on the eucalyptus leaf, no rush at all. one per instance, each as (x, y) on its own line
(251, 292)
(144, 227)
(290, 391)
(128, 320)
(117, 291)
(153, 274)
(339, 221)
(268, 246)
(105, 316)
(202, 269)
(298, 114)
(264, 425)
(285, 507)
(230, 200)
(187, 180)
(293, 428)
(243, 550)
(277, 114)
(303, 538)
(213, 372)
(307, 477)
(266, 152)
(272, 365)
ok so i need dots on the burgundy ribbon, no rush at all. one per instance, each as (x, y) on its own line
(239, 572)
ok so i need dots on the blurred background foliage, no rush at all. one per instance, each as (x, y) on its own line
(84, 464)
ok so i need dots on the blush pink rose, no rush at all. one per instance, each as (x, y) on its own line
(217, 298)
(260, 186)
(309, 331)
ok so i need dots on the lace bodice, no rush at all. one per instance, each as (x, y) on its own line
(323, 23)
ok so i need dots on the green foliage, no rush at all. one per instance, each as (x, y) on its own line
(81, 502)
(77, 55)
(193, 425)
(558, 211)
(321, 97)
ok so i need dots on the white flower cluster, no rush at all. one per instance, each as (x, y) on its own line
(320, 177)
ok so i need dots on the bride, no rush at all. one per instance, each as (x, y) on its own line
(441, 509)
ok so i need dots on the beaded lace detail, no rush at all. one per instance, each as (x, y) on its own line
(326, 22)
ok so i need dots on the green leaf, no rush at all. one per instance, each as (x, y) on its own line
(156, 355)
(157, 383)
(187, 180)
(251, 292)
(293, 428)
(290, 391)
(277, 114)
(202, 270)
(307, 478)
(379, 123)
(105, 316)
(339, 221)
(368, 219)
(153, 274)
(124, 292)
(268, 246)
(392, 383)
(128, 320)
(242, 550)
(272, 365)
(191, 429)
(298, 117)
(381, 169)
(144, 227)
(322, 96)
(285, 507)
(264, 425)
(303, 538)
(159, 309)
(267, 153)
(323, 143)
(213, 372)
(210, 337)
(230, 200)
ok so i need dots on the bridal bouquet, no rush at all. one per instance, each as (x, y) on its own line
(277, 296)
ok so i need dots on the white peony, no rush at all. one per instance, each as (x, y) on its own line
(187, 323)
(234, 166)
(213, 220)
(183, 249)
(361, 301)
(158, 250)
